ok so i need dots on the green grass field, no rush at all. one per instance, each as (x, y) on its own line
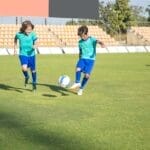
(113, 113)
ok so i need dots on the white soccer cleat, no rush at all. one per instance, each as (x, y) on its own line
(80, 92)
(75, 86)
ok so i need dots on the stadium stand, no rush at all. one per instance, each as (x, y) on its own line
(68, 34)
(59, 39)
(138, 36)
(53, 35)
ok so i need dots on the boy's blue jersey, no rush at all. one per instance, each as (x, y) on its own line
(88, 48)
(26, 43)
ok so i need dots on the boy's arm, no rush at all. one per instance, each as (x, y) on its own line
(15, 46)
(35, 40)
(80, 52)
(35, 44)
(101, 43)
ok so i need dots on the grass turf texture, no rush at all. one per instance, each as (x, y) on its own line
(113, 113)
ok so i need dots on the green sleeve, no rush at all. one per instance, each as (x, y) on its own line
(34, 36)
(94, 40)
(17, 36)
(80, 50)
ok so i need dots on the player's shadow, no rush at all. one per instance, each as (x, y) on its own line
(49, 95)
(147, 65)
(11, 88)
(55, 88)
(49, 138)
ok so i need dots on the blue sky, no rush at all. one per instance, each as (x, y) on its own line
(143, 3)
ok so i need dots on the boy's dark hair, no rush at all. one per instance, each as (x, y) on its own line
(82, 30)
(25, 24)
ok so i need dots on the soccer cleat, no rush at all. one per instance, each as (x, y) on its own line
(34, 87)
(75, 86)
(26, 81)
(80, 92)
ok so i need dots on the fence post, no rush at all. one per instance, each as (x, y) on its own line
(45, 21)
(16, 20)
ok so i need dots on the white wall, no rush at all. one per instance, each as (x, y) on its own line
(74, 50)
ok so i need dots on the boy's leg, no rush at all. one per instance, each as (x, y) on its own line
(87, 70)
(34, 77)
(25, 71)
(84, 81)
(24, 64)
(77, 83)
(79, 67)
(78, 75)
(83, 84)
(32, 65)
(26, 75)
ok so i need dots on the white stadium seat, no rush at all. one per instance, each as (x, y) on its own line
(3, 51)
(101, 50)
(71, 50)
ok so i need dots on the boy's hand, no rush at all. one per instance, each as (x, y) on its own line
(34, 47)
(15, 52)
(102, 45)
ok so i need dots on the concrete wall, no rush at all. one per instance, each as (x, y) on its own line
(75, 50)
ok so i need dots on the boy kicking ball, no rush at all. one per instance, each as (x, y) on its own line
(87, 56)
(27, 45)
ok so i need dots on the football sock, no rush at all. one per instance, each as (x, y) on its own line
(84, 82)
(25, 74)
(33, 77)
(78, 76)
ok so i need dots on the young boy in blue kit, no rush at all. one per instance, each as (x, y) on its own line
(87, 56)
(27, 45)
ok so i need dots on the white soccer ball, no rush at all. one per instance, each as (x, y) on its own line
(64, 81)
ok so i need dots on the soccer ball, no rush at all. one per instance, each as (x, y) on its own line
(64, 81)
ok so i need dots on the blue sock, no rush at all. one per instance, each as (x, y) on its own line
(84, 82)
(33, 77)
(25, 74)
(78, 76)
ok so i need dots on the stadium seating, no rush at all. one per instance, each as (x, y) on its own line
(53, 35)
(68, 34)
(139, 36)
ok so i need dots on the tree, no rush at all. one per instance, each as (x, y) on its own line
(124, 14)
(136, 12)
(117, 16)
(108, 17)
(148, 11)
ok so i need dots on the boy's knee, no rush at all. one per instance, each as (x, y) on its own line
(78, 69)
(33, 71)
(24, 68)
(87, 76)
